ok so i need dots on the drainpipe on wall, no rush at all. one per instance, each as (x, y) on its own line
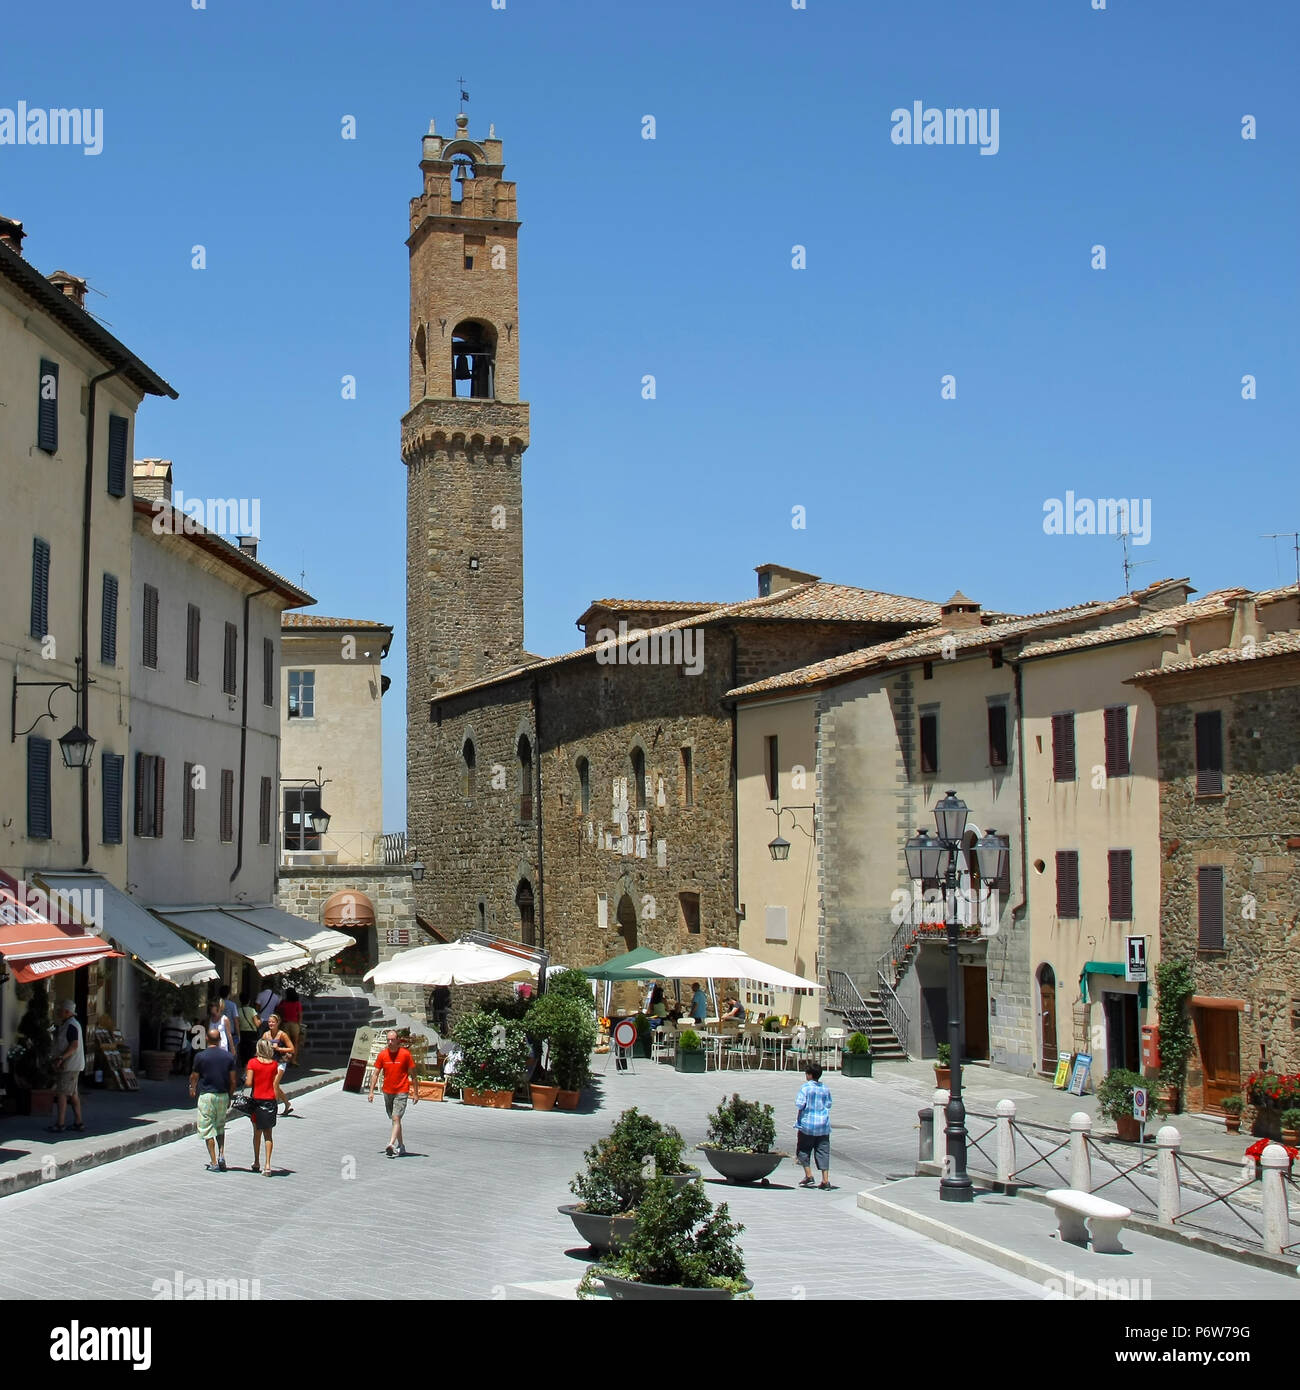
(541, 896)
(243, 738)
(86, 509)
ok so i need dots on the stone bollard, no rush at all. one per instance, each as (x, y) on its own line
(925, 1129)
(1276, 1224)
(1168, 1141)
(938, 1106)
(1006, 1140)
(1080, 1162)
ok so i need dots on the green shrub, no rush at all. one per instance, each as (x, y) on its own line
(496, 1052)
(643, 1029)
(620, 1166)
(1115, 1094)
(742, 1126)
(1234, 1104)
(859, 1044)
(572, 984)
(505, 1005)
(688, 1040)
(570, 1032)
(1175, 985)
(772, 1024)
(1291, 1119)
(681, 1240)
(944, 1058)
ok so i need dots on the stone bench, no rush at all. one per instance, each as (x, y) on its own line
(1075, 1209)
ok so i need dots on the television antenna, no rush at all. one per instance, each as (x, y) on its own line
(1130, 564)
(1294, 538)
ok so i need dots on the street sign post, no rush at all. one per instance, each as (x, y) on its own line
(1140, 1114)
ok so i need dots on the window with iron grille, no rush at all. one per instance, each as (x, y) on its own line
(1121, 885)
(1063, 763)
(227, 805)
(1067, 883)
(1117, 763)
(1209, 753)
(1209, 909)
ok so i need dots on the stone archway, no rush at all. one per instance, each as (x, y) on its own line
(627, 922)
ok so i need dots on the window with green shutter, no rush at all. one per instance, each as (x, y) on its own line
(47, 409)
(117, 432)
(40, 587)
(38, 789)
(108, 623)
(113, 765)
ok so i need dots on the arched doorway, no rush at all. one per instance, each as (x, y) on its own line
(524, 902)
(627, 922)
(1047, 1018)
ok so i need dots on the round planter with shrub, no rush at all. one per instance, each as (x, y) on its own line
(739, 1141)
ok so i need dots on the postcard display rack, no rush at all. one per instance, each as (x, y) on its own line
(113, 1058)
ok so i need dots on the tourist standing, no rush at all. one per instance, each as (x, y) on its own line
(282, 1050)
(70, 1059)
(219, 1021)
(212, 1082)
(262, 1078)
(396, 1065)
(812, 1120)
(247, 1031)
(699, 1005)
(291, 1021)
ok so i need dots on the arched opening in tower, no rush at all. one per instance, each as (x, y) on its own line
(462, 170)
(473, 360)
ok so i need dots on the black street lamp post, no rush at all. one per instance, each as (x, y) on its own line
(320, 817)
(934, 859)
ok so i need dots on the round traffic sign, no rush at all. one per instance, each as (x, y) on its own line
(625, 1032)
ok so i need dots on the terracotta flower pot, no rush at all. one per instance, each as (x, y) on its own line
(492, 1100)
(431, 1090)
(567, 1100)
(544, 1097)
(157, 1065)
(943, 1078)
(1232, 1123)
(1128, 1128)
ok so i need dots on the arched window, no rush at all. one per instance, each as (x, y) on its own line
(421, 349)
(524, 902)
(627, 921)
(638, 779)
(524, 752)
(473, 360)
(467, 769)
(584, 786)
(482, 915)
(462, 170)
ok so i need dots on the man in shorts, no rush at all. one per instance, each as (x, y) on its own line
(70, 1059)
(813, 1123)
(396, 1064)
(213, 1082)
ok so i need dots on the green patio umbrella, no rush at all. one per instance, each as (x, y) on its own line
(622, 967)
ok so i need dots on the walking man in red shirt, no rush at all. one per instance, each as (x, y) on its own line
(397, 1065)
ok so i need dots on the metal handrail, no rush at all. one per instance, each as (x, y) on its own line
(892, 1007)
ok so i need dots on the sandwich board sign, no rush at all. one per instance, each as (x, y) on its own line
(1135, 962)
(1082, 1066)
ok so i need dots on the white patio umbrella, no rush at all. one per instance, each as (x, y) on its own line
(726, 963)
(451, 963)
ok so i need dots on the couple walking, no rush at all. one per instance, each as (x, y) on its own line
(212, 1082)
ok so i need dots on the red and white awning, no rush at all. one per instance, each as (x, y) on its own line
(34, 947)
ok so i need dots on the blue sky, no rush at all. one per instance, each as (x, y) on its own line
(776, 388)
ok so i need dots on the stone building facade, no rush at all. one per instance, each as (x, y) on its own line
(1229, 749)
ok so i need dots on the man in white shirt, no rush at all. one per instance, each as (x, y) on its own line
(70, 1058)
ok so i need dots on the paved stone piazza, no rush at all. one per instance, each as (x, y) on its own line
(470, 1213)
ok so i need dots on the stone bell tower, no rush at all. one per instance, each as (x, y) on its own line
(464, 437)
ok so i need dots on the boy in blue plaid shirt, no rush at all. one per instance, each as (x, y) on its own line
(813, 1122)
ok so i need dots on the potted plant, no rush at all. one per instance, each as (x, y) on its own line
(565, 1028)
(740, 1138)
(682, 1248)
(1115, 1101)
(157, 999)
(857, 1056)
(1175, 985)
(641, 1048)
(431, 1087)
(571, 984)
(943, 1067)
(494, 1056)
(690, 1051)
(1232, 1107)
(619, 1167)
(1291, 1126)
(771, 1024)
(31, 1058)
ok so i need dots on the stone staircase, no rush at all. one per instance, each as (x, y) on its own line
(864, 1016)
(331, 1021)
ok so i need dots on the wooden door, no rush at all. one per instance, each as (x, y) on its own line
(1217, 1038)
(975, 1015)
(1047, 998)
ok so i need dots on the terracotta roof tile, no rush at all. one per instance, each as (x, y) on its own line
(1145, 625)
(305, 620)
(1282, 644)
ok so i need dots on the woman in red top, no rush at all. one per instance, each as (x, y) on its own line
(263, 1078)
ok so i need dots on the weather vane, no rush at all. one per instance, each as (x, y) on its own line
(464, 95)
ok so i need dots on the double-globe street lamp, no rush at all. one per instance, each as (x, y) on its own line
(933, 859)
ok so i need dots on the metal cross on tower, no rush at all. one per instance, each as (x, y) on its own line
(464, 95)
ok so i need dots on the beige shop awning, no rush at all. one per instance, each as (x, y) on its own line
(319, 942)
(266, 951)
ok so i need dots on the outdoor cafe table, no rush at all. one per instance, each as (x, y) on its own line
(774, 1045)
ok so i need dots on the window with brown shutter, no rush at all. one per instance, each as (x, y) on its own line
(150, 773)
(1063, 763)
(231, 655)
(150, 627)
(1067, 883)
(929, 743)
(1209, 753)
(997, 735)
(192, 643)
(1117, 764)
(1121, 885)
(189, 803)
(227, 805)
(264, 813)
(159, 788)
(1209, 909)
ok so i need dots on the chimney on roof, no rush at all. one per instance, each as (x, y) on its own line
(248, 544)
(773, 578)
(960, 612)
(12, 234)
(152, 479)
(71, 285)
(1164, 593)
